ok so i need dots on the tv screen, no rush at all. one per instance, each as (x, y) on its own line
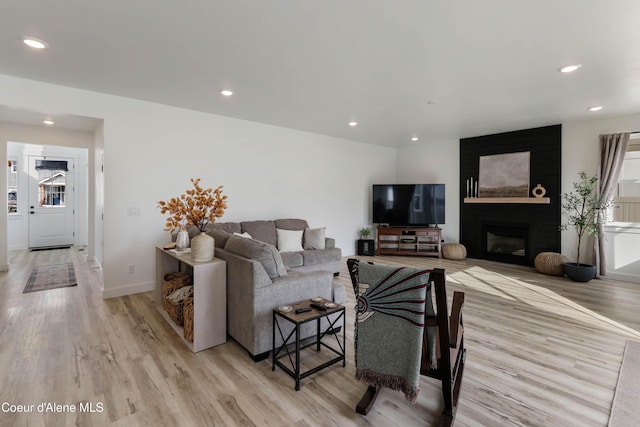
(417, 205)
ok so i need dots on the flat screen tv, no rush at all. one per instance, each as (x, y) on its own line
(408, 205)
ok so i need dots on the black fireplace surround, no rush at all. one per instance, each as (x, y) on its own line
(534, 226)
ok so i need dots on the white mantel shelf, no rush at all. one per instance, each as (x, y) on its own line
(529, 200)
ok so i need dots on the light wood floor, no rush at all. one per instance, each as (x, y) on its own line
(541, 351)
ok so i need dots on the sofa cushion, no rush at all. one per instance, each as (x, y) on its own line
(314, 238)
(289, 240)
(229, 227)
(292, 259)
(263, 252)
(291, 224)
(265, 231)
(219, 237)
(313, 257)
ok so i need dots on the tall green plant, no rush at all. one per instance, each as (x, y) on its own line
(584, 208)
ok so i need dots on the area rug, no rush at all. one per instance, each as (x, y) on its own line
(51, 277)
(625, 411)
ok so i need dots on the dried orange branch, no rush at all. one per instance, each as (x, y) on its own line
(197, 207)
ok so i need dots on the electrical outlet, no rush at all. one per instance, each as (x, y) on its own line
(132, 268)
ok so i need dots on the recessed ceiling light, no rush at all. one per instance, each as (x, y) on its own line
(353, 124)
(34, 43)
(414, 138)
(596, 108)
(569, 68)
(48, 122)
(226, 92)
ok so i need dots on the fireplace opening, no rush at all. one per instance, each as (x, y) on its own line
(505, 242)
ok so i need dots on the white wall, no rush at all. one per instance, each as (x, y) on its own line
(581, 152)
(435, 162)
(151, 151)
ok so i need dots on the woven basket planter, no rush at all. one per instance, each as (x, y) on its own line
(551, 263)
(187, 311)
(172, 282)
(175, 311)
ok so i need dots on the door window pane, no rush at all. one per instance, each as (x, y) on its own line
(52, 187)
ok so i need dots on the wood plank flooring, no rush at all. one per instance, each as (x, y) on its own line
(541, 351)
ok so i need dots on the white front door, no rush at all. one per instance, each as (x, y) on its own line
(50, 201)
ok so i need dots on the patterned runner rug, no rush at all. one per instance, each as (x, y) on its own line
(625, 411)
(51, 277)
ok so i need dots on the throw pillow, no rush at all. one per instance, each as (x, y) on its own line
(245, 235)
(289, 240)
(179, 295)
(314, 238)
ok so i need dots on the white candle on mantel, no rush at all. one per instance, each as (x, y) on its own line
(476, 189)
(471, 195)
(468, 190)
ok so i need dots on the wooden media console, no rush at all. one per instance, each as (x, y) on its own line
(410, 241)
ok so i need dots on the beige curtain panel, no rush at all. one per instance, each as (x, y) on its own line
(612, 151)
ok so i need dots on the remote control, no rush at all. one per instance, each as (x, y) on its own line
(318, 306)
(302, 310)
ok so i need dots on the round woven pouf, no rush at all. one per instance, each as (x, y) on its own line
(454, 251)
(551, 263)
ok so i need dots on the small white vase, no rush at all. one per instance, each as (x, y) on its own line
(202, 248)
(182, 240)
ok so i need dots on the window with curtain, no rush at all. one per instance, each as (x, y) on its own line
(626, 203)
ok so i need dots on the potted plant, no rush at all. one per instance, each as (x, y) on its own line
(365, 233)
(197, 207)
(585, 210)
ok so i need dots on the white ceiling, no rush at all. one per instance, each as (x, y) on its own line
(61, 121)
(433, 68)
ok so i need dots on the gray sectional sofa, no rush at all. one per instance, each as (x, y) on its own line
(261, 278)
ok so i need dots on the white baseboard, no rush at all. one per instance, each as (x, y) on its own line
(128, 290)
(623, 277)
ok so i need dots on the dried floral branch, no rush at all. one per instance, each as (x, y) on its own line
(197, 207)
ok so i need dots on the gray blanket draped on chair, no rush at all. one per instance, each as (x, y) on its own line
(389, 326)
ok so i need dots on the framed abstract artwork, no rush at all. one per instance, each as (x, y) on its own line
(504, 175)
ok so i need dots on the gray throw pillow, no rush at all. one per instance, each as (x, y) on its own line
(314, 238)
(262, 252)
